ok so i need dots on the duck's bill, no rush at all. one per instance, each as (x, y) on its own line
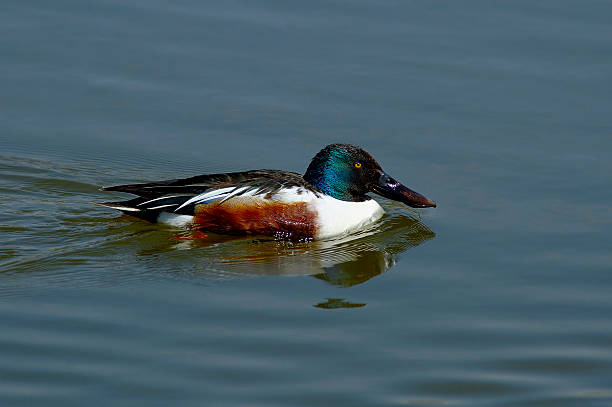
(392, 189)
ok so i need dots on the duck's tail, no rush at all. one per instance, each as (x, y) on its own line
(135, 207)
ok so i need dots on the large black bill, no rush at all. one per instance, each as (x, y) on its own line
(392, 189)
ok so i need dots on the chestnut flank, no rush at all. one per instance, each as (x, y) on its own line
(294, 219)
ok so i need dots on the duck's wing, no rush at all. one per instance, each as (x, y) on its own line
(180, 196)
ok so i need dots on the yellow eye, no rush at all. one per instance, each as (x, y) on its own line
(357, 165)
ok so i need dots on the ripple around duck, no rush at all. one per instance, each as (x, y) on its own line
(52, 228)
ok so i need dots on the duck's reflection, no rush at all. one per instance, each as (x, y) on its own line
(335, 303)
(343, 262)
(369, 256)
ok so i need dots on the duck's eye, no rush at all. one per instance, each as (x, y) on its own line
(357, 165)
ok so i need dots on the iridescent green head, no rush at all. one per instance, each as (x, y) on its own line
(348, 173)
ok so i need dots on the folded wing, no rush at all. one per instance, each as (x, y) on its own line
(180, 196)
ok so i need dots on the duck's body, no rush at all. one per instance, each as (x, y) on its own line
(261, 202)
(329, 200)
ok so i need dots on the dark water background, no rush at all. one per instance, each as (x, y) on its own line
(499, 111)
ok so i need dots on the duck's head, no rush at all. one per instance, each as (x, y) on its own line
(348, 172)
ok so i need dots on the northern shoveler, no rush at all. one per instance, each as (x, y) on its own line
(328, 200)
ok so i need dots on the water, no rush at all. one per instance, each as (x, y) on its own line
(498, 111)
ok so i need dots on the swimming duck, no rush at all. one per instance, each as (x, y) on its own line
(328, 200)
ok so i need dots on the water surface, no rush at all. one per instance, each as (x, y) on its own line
(498, 111)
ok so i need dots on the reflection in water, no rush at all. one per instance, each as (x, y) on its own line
(343, 262)
(363, 258)
(353, 272)
(333, 303)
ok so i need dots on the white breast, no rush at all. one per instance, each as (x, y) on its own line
(336, 217)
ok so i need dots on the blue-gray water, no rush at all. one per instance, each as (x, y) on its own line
(498, 111)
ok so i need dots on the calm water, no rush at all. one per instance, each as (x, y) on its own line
(498, 111)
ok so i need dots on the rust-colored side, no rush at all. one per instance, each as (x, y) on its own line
(258, 216)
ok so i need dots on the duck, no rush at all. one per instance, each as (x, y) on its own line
(329, 200)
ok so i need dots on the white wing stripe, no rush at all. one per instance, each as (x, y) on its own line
(157, 199)
(235, 192)
(161, 206)
(289, 194)
(207, 196)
